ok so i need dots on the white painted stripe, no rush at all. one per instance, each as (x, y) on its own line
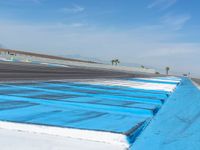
(162, 80)
(4, 59)
(134, 84)
(170, 78)
(197, 85)
(56, 65)
(15, 140)
(173, 77)
(91, 135)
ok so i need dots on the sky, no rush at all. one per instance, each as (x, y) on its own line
(155, 33)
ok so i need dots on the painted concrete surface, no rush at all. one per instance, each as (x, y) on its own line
(15, 140)
(136, 84)
(176, 126)
(114, 113)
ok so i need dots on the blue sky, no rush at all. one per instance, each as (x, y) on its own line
(156, 33)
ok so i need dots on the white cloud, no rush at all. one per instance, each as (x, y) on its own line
(74, 9)
(162, 4)
(176, 22)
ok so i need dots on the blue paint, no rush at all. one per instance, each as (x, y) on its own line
(74, 105)
(132, 136)
(6, 105)
(176, 126)
(107, 96)
(109, 91)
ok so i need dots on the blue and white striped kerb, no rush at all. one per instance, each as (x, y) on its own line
(111, 111)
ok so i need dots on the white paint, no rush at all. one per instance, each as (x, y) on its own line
(16, 140)
(173, 78)
(4, 59)
(134, 84)
(97, 136)
(159, 79)
(56, 65)
(197, 85)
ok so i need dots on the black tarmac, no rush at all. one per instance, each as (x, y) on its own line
(14, 71)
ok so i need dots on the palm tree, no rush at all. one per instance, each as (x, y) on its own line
(117, 61)
(167, 70)
(113, 61)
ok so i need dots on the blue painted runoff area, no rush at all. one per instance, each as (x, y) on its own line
(83, 106)
(177, 125)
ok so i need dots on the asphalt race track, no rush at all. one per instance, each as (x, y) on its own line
(196, 80)
(12, 71)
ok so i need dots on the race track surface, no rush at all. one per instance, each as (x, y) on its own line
(196, 81)
(12, 71)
